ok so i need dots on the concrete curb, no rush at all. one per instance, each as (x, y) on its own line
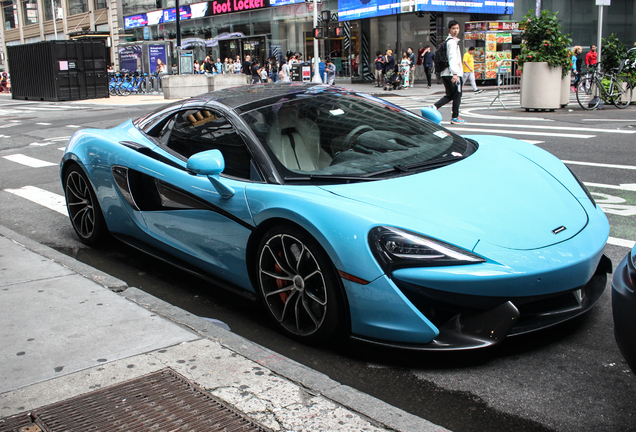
(314, 382)
(99, 277)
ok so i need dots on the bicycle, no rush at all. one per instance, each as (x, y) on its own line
(594, 87)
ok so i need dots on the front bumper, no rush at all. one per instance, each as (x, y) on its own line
(624, 311)
(469, 321)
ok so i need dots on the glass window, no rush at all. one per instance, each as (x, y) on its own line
(30, 12)
(77, 7)
(194, 131)
(330, 134)
(47, 9)
(10, 12)
(99, 4)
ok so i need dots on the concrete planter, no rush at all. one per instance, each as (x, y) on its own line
(180, 86)
(540, 86)
(566, 89)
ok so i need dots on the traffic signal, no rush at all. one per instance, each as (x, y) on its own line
(336, 32)
(318, 34)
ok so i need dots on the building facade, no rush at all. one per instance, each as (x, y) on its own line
(142, 34)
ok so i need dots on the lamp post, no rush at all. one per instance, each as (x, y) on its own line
(53, 15)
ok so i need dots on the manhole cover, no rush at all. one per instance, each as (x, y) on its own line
(162, 401)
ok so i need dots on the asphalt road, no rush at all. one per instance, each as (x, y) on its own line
(569, 378)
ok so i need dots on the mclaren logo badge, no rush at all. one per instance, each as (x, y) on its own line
(559, 229)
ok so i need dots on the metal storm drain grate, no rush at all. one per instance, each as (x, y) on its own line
(162, 401)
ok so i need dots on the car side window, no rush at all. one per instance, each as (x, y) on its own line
(197, 130)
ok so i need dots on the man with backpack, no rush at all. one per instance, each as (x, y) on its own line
(448, 59)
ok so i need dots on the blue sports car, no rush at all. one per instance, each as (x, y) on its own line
(346, 215)
(624, 307)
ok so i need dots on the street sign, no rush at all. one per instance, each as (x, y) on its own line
(603, 2)
(318, 33)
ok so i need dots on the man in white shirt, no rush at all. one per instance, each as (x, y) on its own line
(452, 75)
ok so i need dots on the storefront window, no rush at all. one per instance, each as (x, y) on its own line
(131, 7)
(99, 4)
(10, 12)
(77, 7)
(30, 12)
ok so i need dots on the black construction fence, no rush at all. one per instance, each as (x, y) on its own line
(59, 70)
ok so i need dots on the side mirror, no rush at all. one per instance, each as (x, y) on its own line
(210, 163)
(431, 114)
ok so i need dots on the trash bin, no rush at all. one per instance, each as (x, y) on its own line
(66, 70)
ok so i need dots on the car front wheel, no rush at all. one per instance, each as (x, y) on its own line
(298, 285)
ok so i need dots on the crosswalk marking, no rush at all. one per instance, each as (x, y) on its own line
(600, 165)
(563, 128)
(45, 198)
(498, 131)
(28, 161)
(621, 242)
(625, 187)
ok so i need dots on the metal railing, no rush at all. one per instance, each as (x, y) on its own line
(508, 80)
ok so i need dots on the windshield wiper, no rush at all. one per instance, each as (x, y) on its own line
(311, 177)
(430, 164)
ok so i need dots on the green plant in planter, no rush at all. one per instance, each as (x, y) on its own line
(614, 54)
(543, 41)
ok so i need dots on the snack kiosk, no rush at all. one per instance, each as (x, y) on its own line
(495, 42)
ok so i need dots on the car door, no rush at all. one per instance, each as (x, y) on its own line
(184, 212)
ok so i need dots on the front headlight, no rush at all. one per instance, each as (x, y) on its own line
(395, 248)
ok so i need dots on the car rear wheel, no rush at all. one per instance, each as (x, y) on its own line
(83, 209)
(298, 285)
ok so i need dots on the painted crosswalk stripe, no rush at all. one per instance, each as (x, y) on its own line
(621, 242)
(557, 128)
(600, 165)
(509, 132)
(40, 196)
(44, 124)
(28, 161)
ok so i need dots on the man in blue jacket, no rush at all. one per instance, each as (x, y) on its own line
(427, 61)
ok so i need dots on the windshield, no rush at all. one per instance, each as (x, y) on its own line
(350, 135)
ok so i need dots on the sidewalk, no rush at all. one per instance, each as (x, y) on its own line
(69, 331)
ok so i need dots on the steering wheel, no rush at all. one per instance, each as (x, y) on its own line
(353, 133)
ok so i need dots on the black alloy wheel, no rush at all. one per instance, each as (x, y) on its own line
(83, 209)
(299, 285)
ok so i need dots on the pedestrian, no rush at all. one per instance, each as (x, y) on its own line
(196, 67)
(264, 74)
(273, 64)
(227, 66)
(247, 68)
(469, 69)
(330, 69)
(285, 74)
(208, 66)
(411, 56)
(577, 65)
(405, 69)
(389, 67)
(218, 66)
(255, 72)
(591, 58)
(452, 75)
(237, 66)
(427, 61)
(379, 66)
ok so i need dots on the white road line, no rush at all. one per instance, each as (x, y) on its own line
(28, 161)
(625, 187)
(621, 242)
(61, 148)
(40, 196)
(470, 113)
(533, 142)
(608, 120)
(601, 165)
(44, 124)
(73, 126)
(563, 128)
(507, 132)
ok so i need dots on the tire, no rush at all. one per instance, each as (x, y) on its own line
(83, 208)
(125, 88)
(625, 98)
(585, 94)
(298, 285)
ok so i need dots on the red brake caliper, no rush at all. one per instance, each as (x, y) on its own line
(281, 283)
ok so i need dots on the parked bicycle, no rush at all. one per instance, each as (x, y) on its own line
(610, 87)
